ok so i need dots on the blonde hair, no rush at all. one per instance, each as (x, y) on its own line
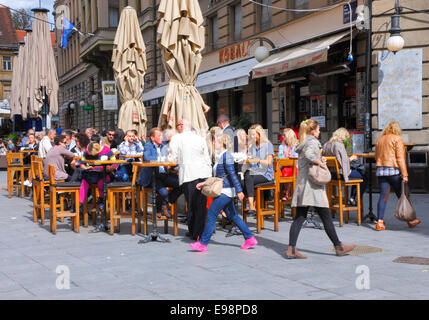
(213, 132)
(340, 135)
(94, 148)
(260, 130)
(392, 128)
(289, 138)
(226, 141)
(306, 127)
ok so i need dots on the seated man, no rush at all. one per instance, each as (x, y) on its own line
(130, 147)
(153, 150)
(55, 157)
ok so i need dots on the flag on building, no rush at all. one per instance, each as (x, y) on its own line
(68, 27)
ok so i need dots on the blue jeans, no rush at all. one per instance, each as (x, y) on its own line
(123, 172)
(385, 182)
(226, 204)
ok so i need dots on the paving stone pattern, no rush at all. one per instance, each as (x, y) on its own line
(117, 267)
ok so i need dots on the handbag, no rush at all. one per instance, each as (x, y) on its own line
(319, 174)
(405, 210)
(213, 187)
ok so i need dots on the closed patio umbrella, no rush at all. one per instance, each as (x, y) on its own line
(15, 105)
(129, 66)
(181, 39)
(23, 91)
(42, 66)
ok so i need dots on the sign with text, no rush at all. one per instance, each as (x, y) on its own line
(233, 53)
(346, 12)
(400, 88)
(110, 95)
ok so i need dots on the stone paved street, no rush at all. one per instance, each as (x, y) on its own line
(117, 267)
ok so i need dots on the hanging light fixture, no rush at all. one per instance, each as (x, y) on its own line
(395, 42)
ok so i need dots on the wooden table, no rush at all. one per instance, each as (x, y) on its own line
(103, 164)
(154, 235)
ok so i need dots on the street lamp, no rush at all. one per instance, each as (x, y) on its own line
(395, 42)
(261, 52)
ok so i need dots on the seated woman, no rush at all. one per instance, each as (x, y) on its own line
(260, 170)
(94, 174)
(224, 167)
(287, 150)
(335, 147)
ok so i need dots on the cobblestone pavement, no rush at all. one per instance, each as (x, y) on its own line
(35, 264)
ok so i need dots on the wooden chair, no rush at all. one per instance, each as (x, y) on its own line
(61, 189)
(40, 204)
(262, 206)
(284, 162)
(114, 191)
(337, 182)
(144, 204)
(16, 167)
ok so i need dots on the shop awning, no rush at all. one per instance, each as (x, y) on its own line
(154, 94)
(297, 57)
(230, 76)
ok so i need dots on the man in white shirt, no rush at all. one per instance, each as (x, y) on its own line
(46, 143)
(191, 153)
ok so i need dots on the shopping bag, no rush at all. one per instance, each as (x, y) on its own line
(405, 210)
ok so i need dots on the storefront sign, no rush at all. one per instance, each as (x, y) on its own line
(110, 95)
(88, 108)
(234, 52)
(400, 88)
(321, 120)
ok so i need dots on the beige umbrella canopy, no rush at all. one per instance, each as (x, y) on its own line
(42, 67)
(129, 66)
(15, 105)
(23, 91)
(181, 39)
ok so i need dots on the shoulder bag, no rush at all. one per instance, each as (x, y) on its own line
(319, 174)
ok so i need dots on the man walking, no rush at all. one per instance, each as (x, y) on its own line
(223, 122)
(191, 153)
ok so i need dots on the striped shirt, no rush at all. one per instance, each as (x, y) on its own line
(387, 171)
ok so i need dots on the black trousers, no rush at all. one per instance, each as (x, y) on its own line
(250, 181)
(301, 215)
(197, 208)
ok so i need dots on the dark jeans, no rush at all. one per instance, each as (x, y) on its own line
(226, 204)
(164, 180)
(197, 208)
(250, 181)
(385, 183)
(357, 175)
(301, 215)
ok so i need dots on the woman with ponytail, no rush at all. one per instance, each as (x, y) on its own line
(308, 194)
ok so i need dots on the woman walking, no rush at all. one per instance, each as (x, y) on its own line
(307, 194)
(391, 169)
(224, 168)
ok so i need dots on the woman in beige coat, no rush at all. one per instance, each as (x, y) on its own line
(308, 194)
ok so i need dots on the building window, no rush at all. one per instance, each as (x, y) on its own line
(113, 17)
(266, 14)
(214, 32)
(301, 4)
(237, 21)
(7, 63)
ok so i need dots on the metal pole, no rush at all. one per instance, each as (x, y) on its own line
(368, 99)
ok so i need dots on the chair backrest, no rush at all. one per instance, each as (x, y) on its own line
(284, 162)
(334, 166)
(37, 169)
(51, 170)
(15, 158)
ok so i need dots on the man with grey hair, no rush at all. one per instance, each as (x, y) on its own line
(191, 153)
(47, 142)
(223, 122)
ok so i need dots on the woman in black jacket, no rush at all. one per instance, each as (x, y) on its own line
(224, 167)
